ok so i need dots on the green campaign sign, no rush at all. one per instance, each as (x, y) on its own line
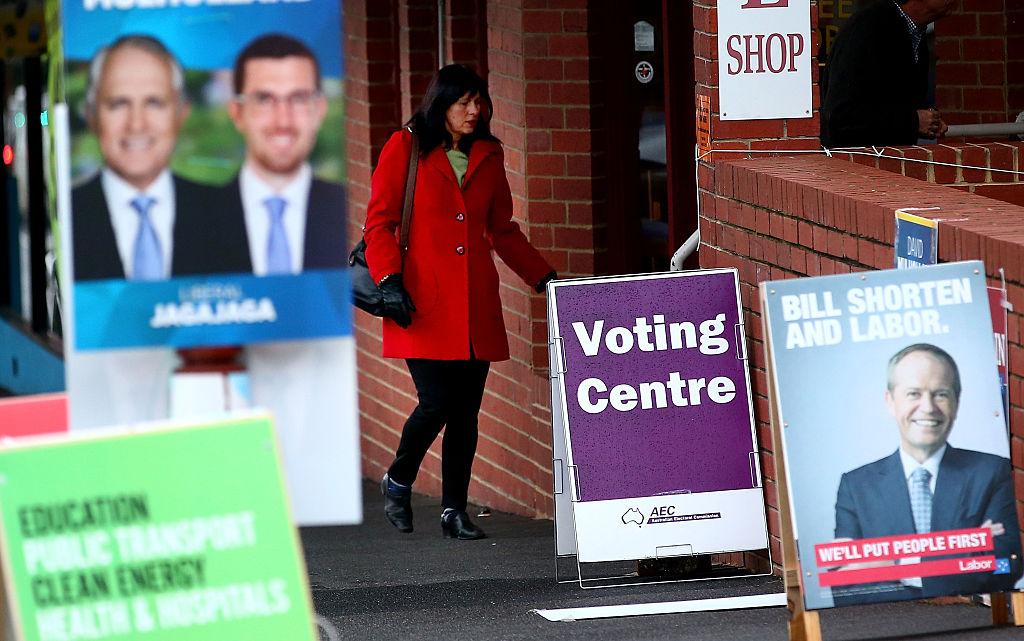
(179, 533)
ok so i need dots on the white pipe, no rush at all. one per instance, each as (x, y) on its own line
(986, 129)
(684, 251)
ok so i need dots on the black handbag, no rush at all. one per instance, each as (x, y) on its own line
(365, 293)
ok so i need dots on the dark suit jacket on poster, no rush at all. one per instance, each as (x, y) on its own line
(324, 246)
(203, 243)
(871, 88)
(971, 488)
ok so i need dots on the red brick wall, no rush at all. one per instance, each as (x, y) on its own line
(374, 112)
(466, 24)
(971, 63)
(1015, 57)
(417, 20)
(986, 169)
(810, 216)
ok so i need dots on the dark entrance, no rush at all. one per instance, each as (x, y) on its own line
(643, 76)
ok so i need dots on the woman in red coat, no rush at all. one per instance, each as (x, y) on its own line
(445, 314)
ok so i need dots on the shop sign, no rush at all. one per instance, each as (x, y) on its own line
(764, 59)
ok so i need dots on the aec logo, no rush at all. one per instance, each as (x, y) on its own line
(659, 514)
(634, 516)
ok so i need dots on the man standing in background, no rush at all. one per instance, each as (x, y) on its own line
(875, 87)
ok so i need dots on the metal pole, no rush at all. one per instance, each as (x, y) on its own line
(441, 57)
(9, 220)
(38, 220)
(987, 129)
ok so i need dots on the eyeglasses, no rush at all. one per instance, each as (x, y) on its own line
(266, 102)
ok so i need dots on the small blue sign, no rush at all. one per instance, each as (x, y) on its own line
(917, 240)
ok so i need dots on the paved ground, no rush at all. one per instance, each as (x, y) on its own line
(373, 583)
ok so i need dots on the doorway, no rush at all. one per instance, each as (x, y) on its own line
(646, 81)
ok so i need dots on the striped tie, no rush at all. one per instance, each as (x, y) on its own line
(921, 500)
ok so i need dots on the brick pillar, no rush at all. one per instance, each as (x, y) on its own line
(371, 94)
(418, 60)
(971, 63)
(466, 28)
(774, 134)
(373, 113)
(540, 83)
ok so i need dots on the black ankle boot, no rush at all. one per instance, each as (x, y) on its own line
(397, 507)
(456, 525)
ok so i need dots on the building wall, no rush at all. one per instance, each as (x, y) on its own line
(1015, 57)
(987, 169)
(971, 63)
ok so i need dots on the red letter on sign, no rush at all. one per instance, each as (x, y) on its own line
(796, 48)
(754, 53)
(734, 54)
(765, 4)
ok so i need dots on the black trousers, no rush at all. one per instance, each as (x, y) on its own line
(449, 395)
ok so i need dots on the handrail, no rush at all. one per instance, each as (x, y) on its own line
(684, 251)
(986, 129)
(989, 129)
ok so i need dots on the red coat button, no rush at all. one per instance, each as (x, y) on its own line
(460, 217)
(460, 250)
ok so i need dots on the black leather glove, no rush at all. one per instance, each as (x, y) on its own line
(397, 303)
(550, 276)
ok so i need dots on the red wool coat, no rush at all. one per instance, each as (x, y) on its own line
(449, 271)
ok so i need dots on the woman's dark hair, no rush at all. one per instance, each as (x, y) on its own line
(448, 85)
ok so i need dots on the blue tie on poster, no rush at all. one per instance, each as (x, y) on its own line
(279, 260)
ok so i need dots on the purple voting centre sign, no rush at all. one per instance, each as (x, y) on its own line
(657, 414)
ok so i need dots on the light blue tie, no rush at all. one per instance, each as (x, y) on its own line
(147, 257)
(279, 257)
(921, 500)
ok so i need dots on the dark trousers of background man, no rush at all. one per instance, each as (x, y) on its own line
(450, 393)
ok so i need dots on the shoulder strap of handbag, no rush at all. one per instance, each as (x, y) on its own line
(410, 188)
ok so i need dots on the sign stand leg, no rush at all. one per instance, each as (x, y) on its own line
(804, 625)
(1008, 608)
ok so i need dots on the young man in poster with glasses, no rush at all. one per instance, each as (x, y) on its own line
(293, 220)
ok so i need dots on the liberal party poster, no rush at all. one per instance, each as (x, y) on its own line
(894, 437)
(207, 203)
(203, 204)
